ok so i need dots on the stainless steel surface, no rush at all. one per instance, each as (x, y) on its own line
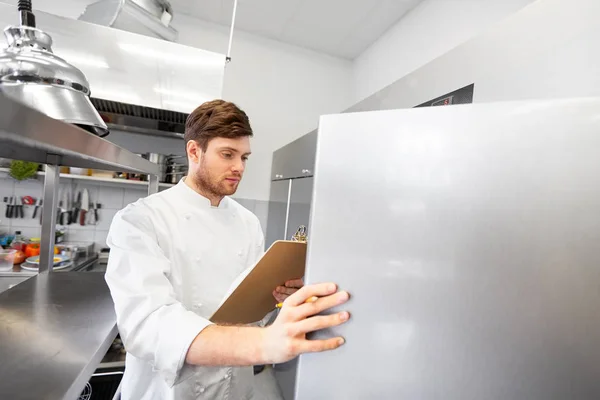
(145, 131)
(55, 330)
(8, 282)
(296, 159)
(31, 73)
(81, 264)
(146, 17)
(287, 209)
(129, 67)
(297, 214)
(277, 215)
(299, 205)
(470, 249)
(49, 216)
(41, 135)
(153, 184)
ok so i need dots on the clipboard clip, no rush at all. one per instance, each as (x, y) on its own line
(300, 235)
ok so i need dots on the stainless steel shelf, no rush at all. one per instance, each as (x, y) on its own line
(26, 134)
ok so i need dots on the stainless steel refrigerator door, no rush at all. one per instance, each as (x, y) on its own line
(299, 214)
(469, 239)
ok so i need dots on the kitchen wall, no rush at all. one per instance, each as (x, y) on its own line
(546, 50)
(431, 29)
(284, 89)
(112, 198)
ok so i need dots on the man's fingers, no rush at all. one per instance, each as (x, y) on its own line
(308, 291)
(294, 283)
(320, 305)
(279, 297)
(319, 322)
(285, 290)
(315, 346)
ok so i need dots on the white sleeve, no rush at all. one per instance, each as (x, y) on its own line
(154, 326)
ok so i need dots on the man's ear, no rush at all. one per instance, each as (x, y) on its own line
(193, 151)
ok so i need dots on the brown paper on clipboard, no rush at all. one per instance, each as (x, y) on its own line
(253, 298)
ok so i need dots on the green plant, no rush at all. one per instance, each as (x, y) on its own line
(21, 170)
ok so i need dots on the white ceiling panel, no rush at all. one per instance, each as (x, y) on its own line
(342, 28)
(264, 17)
(341, 14)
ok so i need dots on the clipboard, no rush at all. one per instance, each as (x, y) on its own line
(253, 297)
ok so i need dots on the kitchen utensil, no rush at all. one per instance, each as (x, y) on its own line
(76, 207)
(92, 218)
(9, 207)
(64, 216)
(76, 250)
(38, 204)
(58, 258)
(97, 206)
(34, 267)
(85, 206)
(19, 212)
(7, 258)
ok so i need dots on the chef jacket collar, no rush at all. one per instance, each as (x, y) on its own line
(190, 195)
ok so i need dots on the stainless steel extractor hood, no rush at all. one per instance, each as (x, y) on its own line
(146, 17)
(33, 75)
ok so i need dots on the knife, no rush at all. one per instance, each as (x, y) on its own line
(75, 210)
(85, 206)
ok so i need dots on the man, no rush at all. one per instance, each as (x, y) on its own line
(174, 256)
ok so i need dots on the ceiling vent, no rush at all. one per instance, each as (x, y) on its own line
(139, 119)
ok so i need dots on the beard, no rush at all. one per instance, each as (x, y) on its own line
(212, 184)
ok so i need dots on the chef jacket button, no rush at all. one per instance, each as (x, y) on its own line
(202, 389)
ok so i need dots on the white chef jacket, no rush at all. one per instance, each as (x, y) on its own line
(173, 260)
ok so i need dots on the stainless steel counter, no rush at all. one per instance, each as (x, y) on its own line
(79, 264)
(54, 330)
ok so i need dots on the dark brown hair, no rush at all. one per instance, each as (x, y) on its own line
(217, 118)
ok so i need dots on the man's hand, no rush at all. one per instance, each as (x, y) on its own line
(286, 337)
(290, 287)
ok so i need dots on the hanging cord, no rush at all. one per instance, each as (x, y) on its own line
(228, 57)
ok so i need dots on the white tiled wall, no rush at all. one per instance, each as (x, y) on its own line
(111, 198)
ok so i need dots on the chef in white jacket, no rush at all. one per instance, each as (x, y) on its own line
(174, 257)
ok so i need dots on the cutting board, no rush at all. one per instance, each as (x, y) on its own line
(253, 298)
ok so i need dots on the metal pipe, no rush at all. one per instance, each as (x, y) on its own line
(228, 57)
(49, 214)
(287, 211)
(25, 13)
(152, 184)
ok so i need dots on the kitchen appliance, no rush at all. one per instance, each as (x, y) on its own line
(32, 74)
(472, 255)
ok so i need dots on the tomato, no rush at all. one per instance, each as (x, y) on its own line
(32, 249)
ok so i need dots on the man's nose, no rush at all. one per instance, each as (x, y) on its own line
(238, 166)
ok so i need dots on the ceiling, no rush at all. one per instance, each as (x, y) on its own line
(342, 28)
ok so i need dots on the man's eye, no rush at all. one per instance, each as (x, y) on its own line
(245, 158)
(227, 155)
